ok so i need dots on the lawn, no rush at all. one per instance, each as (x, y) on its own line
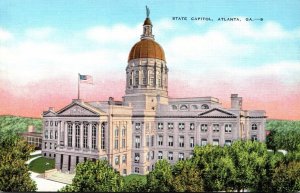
(41, 164)
(135, 176)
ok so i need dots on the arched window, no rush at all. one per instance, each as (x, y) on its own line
(174, 107)
(130, 78)
(205, 106)
(151, 78)
(136, 76)
(144, 77)
(254, 126)
(183, 107)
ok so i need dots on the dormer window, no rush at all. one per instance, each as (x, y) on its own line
(183, 107)
(205, 106)
(174, 107)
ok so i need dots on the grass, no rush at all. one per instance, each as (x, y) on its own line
(41, 164)
(135, 176)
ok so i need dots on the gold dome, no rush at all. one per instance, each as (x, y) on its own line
(147, 48)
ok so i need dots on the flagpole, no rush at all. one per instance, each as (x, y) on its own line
(78, 85)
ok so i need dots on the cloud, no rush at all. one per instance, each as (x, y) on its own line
(5, 35)
(118, 33)
(40, 33)
(269, 30)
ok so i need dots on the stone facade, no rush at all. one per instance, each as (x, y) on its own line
(146, 125)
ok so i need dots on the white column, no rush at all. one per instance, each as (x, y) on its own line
(90, 135)
(73, 135)
(66, 133)
(58, 134)
(81, 135)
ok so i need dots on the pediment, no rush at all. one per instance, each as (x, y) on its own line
(215, 112)
(49, 114)
(77, 110)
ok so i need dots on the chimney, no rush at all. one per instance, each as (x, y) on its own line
(236, 102)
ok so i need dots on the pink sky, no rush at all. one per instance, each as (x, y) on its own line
(30, 100)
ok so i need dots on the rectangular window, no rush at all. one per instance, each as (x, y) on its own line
(160, 140)
(124, 171)
(192, 126)
(137, 170)
(124, 159)
(69, 135)
(160, 155)
(170, 156)
(216, 128)
(123, 143)
(170, 125)
(228, 128)
(103, 136)
(77, 136)
(181, 141)
(204, 127)
(45, 145)
(181, 126)
(170, 141)
(117, 160)
(123, 132)
(85, 135)
(215, 141)
(160, 126)
(147, 140)
(116, 144)
(254, 137)
(192, 142)
(152, 140)
(227, 142)
(137, 157)
(51, 134)
(152, 155)
(181, 156)
(46, 134)
(203, 142)
(137, 126)
(137, 141)
(55, 134)
(94, 135)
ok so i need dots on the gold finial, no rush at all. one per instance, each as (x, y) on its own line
(147, 11)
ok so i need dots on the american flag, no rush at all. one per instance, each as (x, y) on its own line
(86, 79)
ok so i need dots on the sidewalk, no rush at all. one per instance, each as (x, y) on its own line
(45, 185)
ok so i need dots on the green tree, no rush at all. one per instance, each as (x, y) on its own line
(96, 176)
(187, 177)
(161, 178)
(286, 178)
(216, 166)
(249, 159)
(135, 185)
(14, 173)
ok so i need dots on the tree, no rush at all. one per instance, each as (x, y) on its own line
(286, 178)
(135, 185)
(249, 159)
(161, 178)
(96, 176)
(216, 166)
(14, 173)
(187, 177)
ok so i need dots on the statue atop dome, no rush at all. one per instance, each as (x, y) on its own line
(147, 11)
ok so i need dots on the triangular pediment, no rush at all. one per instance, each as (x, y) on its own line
(49, 113)
(215, 112)
(77, 110)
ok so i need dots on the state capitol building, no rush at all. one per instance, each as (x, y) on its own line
(146, 125)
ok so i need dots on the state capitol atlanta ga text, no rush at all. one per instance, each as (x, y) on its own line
(217, 19)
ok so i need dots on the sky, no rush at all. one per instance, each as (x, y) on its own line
(45, 44)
